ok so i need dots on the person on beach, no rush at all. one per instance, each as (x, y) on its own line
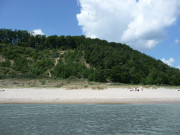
(132, 89)
(136, 89)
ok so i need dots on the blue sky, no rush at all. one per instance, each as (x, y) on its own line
(103, 20)
(169, 48)
(51, 16)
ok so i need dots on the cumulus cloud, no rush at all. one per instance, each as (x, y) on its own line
(176, 41)
(168, 62)
(37, 32)
(178, 67)
(139, 23)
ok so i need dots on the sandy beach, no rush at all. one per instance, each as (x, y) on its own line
(87, 96)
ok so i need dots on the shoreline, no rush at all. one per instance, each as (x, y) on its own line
(98, 102)
(88, 96)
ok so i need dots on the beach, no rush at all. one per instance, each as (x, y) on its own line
(88, 96)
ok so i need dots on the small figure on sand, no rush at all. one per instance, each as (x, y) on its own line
(136, 89)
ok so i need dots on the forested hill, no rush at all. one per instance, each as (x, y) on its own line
(23, 55)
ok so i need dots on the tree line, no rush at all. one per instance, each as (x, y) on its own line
(27, 39)
(35, 56)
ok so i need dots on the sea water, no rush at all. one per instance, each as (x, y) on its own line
(48, 119)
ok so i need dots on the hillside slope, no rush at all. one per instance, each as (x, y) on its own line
(28, 56)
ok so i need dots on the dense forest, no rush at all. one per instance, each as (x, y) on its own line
(25, 55)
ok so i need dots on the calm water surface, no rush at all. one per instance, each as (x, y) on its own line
(25, 119)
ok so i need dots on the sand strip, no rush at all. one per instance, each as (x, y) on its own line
(87, 96)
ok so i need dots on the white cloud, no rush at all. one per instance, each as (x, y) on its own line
(141, 24)
(178, 67)
(168, 62)
(176, 41)
(37, 32)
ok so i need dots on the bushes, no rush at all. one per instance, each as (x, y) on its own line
(6, 63)
(55, 55)
(72, 66)
(39, 67)
(62, 70)
(26, 62)
(20, 64)
(97, 76)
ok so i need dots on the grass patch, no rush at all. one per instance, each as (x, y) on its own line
(70, 84)
(59, 85)
(43, 82)
(96, 87)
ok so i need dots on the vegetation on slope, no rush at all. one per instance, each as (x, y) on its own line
(23, 55)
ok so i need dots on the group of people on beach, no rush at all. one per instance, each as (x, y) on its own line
(136, 89)
(141, 89)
